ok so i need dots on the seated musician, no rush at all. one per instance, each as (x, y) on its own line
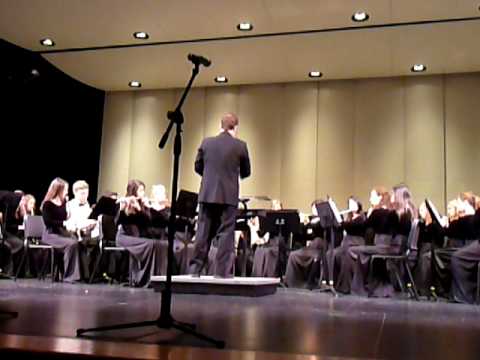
(55, 215)
(464, 263)
(158, 208)
(14, 207)
(79, 211)
(384, 220)
(86, 229)
(133, 232)
(299, 264)
(354, 235)
(270, 251)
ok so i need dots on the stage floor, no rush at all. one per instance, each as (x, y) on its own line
(290, 321)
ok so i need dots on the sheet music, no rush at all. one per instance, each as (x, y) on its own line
(436, 214)
(334, 208)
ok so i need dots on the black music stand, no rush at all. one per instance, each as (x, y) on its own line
(165, 320)
(186, 211)
(281, 222)
(330, 219)
(437, 220)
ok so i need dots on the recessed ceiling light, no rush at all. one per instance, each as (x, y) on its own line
(47, 42)
(135, 84)
(315, 74)
(221, 79)
(245, 26)
(360, 16)
(140, 35)
(418, 68)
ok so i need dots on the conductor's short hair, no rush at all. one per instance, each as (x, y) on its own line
(229, 121)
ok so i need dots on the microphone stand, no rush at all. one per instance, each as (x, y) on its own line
(166, 320)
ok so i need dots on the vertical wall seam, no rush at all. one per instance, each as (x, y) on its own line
(283, 121)
(204, 120)
(317, 129)
(132, 120)
(354, 133)
(444, 110)
(405, 129)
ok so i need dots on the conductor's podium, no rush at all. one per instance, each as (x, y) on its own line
(209, 285)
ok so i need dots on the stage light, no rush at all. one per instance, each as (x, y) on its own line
(47, 42)
(142, 35)
(135, 84)
(418, 68)
(315, 74)
(360, 16)
(221, 79)
(245, 26)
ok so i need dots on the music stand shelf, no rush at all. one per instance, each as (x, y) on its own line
(330, 219)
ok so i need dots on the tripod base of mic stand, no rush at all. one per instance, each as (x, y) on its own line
(168, 323)
(327, 287)
(10, 314)
(432, 295)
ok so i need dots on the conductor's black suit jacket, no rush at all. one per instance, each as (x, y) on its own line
(221, 161)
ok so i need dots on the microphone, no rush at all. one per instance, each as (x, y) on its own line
(197, 59)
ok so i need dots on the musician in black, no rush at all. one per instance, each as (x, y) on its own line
(54, 212)
(354, 228)
(221, 160)
(384, 221)
(300, 262)
(14, 206)
(134, 232)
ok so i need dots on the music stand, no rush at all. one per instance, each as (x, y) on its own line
(330, 219)
(281, 222)
(187, 202)
(437, 220)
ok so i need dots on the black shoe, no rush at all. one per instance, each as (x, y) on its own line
(195, 270)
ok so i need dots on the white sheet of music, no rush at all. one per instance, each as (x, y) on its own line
(437, 215)
(334, 208)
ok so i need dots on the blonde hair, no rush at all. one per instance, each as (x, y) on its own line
(159, 189)
(384, 194)
(22, 206)
(79, 185)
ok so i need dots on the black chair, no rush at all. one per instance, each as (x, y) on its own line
(107, 235)
(34, 228)
(402, 259)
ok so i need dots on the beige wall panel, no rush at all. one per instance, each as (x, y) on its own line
(336, 111)
(309, 139)
(116, 138)
(424, 146)
(218, 101)
(298, 142)
(463, 133)
(260, 110)
(147, 162)
(379, 151)
(193, 130)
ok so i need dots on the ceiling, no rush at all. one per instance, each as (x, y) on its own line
(324, 38)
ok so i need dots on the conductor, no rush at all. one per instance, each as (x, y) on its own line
(221, 161)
